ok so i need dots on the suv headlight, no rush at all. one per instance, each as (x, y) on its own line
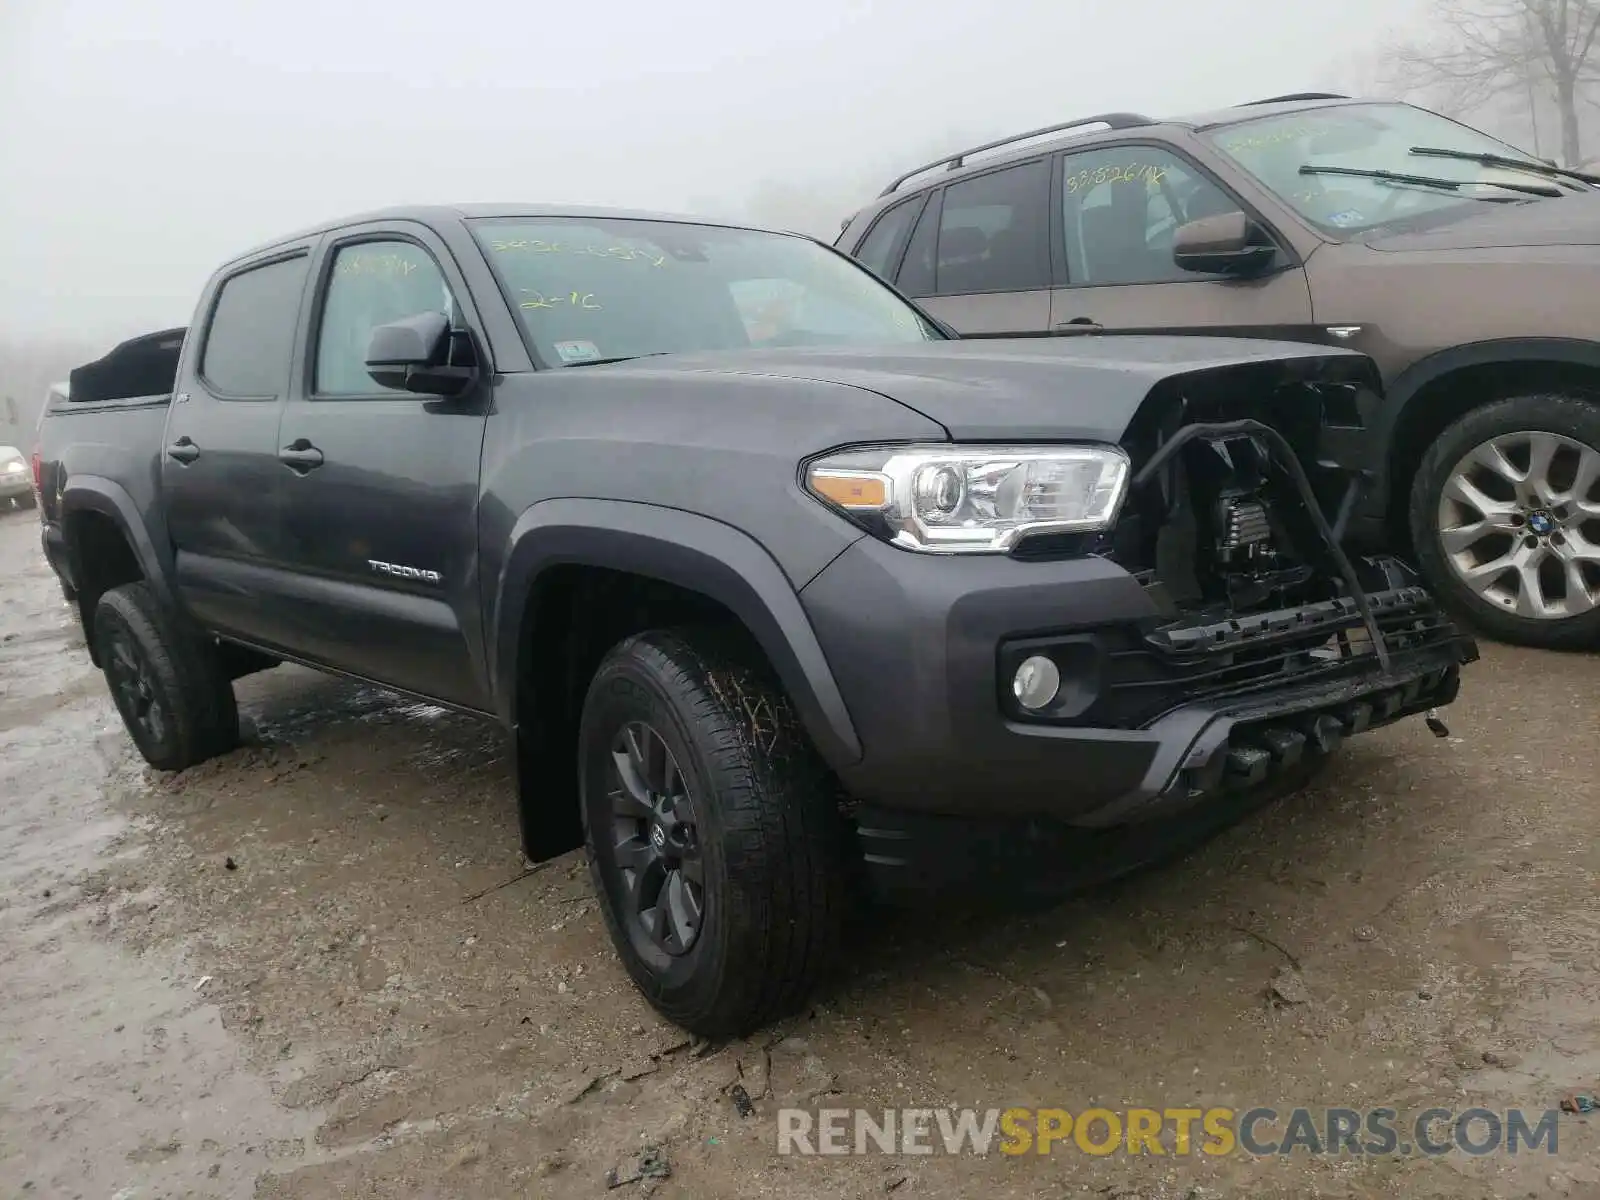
(972, 499)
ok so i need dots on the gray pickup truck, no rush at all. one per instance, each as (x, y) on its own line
(775, 584)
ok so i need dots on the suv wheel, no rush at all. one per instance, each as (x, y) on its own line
(178, 707)
(1505, 518)
(712, 829)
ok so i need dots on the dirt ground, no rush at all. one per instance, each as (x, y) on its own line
(310, 969)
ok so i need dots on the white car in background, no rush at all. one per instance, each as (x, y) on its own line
(16, 481)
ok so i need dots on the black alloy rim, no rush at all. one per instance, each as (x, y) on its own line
(655, 845)
(133, 684)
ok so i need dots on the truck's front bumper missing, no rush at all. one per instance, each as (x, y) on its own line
(1210, 767)
(1156, 736)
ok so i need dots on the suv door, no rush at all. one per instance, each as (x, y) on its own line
(380, 487)
(979, 257)
(219, 469)
(1120, 206)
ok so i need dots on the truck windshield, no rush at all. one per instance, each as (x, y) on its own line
(1330, 164)
(588, 289)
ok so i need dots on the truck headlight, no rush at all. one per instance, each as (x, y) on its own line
(972, 499)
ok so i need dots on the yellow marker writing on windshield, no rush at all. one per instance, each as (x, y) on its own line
(618, 253)
(571, 299)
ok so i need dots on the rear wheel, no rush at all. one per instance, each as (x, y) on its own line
(1505, 518)
(177, 704)
(712, 830)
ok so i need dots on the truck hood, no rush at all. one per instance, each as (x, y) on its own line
(1079, 388)
(1568, 221)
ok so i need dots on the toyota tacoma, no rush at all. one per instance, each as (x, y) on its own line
(777, 586)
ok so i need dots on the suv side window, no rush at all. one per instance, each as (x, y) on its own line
(994, 232)
(916, 271)
(251, 334)
(886, 236)
(371, 284)
(1120, 208)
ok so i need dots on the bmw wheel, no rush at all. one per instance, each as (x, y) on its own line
(1505, 518)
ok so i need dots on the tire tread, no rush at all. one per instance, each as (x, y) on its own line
(781, 831)
(204, 713)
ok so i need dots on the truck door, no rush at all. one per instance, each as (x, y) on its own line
(220, 475)
(380, 487)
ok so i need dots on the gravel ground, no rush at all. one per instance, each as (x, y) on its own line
(311, 969)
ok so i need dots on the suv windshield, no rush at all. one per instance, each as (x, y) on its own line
(1379, 138)
(593, 288)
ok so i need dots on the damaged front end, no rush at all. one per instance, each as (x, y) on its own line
(1286, 645)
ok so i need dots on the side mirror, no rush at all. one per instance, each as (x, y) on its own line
(412, 354)
(1225, 244)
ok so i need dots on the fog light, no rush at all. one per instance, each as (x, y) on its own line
(1037, 681)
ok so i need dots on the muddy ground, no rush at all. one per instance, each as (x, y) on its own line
(301, 971)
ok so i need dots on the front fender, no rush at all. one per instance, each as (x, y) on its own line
(1393, 417)
(692, 552)
(1411, 381)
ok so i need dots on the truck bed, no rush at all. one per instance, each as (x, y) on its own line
(109, 428)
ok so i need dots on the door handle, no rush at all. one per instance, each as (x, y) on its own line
(183, 450)
(300, 456)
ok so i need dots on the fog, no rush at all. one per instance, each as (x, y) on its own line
(143, 143)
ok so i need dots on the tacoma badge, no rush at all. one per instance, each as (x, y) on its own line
(401, 572)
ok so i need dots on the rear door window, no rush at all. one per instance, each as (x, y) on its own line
(994, 232)
(251, 334)
(916, 271)
(879, 251)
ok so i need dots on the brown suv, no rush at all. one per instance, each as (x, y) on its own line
(1468, 269)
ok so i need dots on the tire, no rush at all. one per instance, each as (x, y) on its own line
(765, 831)
(1509, 610)
(177, 706)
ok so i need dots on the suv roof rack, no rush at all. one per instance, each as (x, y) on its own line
(1290, 97)
(1112, 120)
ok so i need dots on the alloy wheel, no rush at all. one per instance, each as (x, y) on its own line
(655, 842)
(133, 684)
(1519, 523)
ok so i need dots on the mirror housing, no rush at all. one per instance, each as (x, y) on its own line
(412, 355)
(1224, 244)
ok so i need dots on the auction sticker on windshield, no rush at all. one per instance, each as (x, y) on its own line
(577, 350)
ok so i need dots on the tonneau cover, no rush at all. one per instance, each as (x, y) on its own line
(141, 366)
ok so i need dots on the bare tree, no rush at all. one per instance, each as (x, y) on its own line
(1488, 49)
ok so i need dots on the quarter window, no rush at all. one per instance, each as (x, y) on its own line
(887, 235)
(251, 336)
(1121, 207)
(993, 232)
(371, 284)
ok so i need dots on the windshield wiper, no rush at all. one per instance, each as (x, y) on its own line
(596, 362)
(1501, 160)
(1451, 185)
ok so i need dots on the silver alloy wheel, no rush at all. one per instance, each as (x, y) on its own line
(1519, 523)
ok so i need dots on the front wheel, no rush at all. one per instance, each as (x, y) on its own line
(712, 829)
(1505, 518)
